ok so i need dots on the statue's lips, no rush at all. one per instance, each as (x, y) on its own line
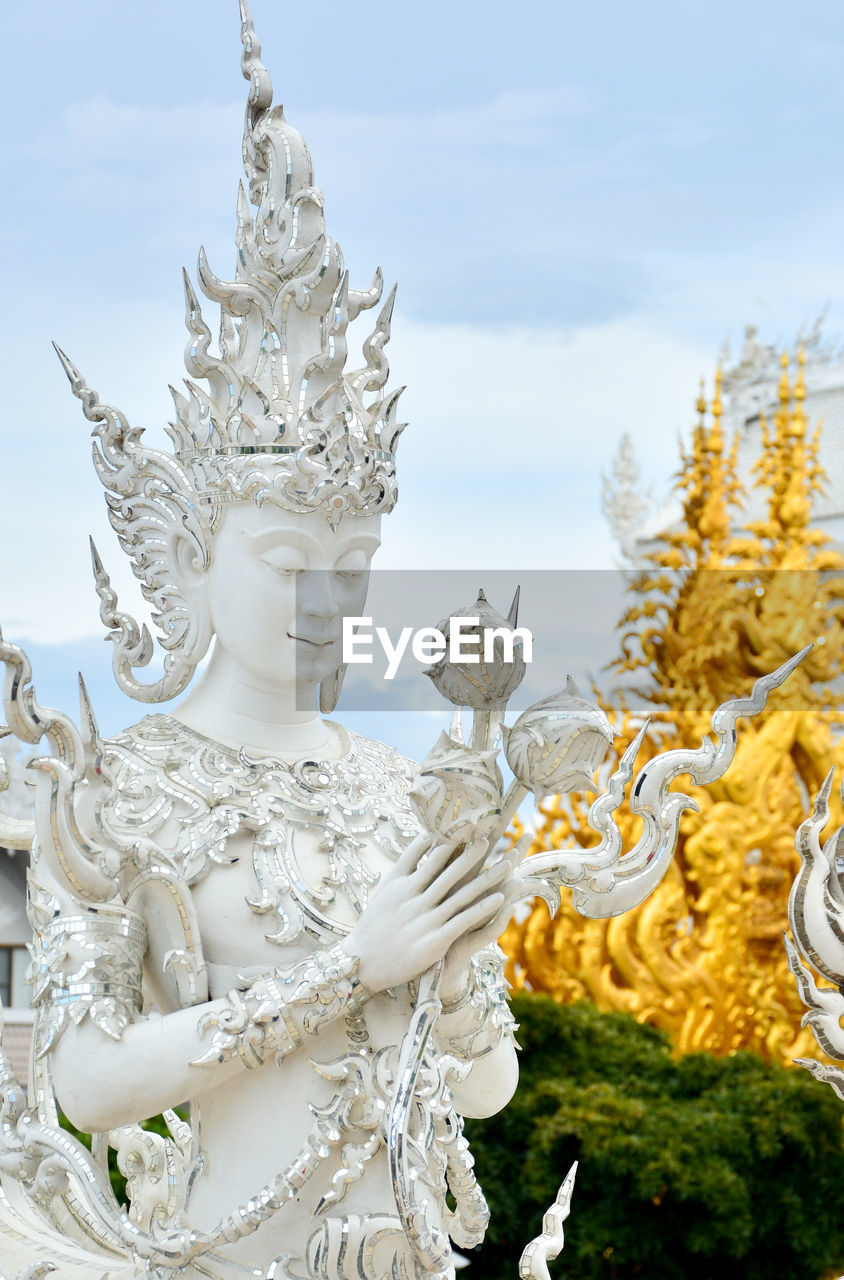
(313, 644)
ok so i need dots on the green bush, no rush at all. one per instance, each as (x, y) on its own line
(694, 1168)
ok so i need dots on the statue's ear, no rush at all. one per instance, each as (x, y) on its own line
(187, 566)
(188, 559)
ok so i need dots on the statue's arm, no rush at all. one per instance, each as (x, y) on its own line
(113, 1062)
(104, 1081)
(476, 1025)
(146, 1063)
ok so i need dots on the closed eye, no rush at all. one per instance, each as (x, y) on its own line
(284, 561)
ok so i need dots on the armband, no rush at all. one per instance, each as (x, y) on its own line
(84, 966)
(258, 1022)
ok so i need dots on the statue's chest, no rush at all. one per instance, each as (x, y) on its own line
(282, 892)
(295, 849)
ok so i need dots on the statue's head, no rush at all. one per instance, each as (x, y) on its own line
(274, 591)
(282, 455)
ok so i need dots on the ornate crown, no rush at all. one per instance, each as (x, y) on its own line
(279, 418)
(280, 414)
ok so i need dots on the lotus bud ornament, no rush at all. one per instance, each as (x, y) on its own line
(493, 672)
(556, 745)
(458, 791)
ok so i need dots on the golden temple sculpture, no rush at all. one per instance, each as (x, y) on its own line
(718, 603)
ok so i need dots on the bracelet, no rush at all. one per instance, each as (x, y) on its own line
(463, 997)
(358, 996)
(327, 981)
(259, 1022)
(488, 1018)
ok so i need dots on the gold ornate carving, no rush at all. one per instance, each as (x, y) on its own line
(703, 956)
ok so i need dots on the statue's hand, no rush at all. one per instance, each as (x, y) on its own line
(431, 898)
(454, 975)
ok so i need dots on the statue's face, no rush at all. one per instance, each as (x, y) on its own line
(278, 587)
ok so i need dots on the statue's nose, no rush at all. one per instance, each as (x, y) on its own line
(315, 597)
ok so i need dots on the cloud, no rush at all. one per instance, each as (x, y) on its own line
(514, 120)
(501, 465)
(110, 151)
(545, 204)
(550, 301)
(484, 191)
(125, 155)
(537, 402)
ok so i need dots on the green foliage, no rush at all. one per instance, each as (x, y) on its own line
(695, 1168)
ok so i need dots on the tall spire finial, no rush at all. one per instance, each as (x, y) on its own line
(260, 96)
(715, 439)
(784, 388)
(800, 384)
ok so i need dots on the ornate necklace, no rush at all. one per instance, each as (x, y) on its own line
(160, 772)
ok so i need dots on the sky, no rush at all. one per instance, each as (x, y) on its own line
(580, 204)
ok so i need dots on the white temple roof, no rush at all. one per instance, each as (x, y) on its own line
(749, 389)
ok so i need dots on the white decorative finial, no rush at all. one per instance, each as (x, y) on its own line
(533, 1264)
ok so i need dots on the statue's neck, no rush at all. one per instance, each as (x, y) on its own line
(236, 708)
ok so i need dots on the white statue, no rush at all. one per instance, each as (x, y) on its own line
(816, 917)
(241, 905)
